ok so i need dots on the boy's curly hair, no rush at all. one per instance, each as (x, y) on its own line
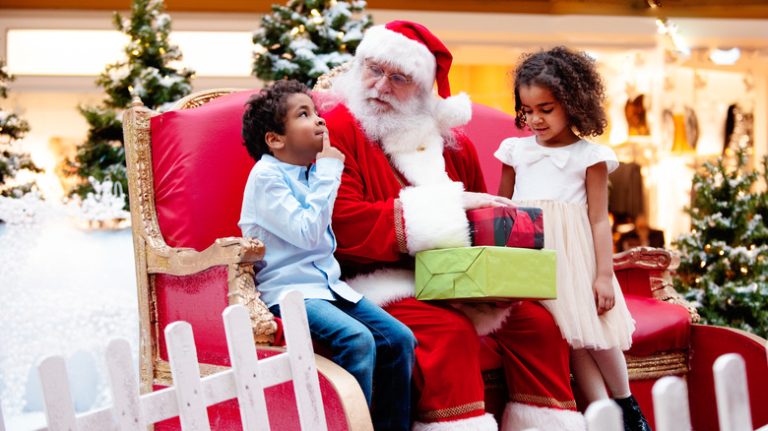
(265, 112)
(573, 80)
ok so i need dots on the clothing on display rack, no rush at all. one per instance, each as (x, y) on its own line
(626, 191)
(641, 236)
(738, 128)
(691, 126)
(635, 112)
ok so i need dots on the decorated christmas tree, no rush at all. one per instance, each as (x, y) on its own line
(147, 72)
(12, 128)
(724, 263)
(307, 38)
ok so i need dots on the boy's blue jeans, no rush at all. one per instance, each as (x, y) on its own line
(372, 346)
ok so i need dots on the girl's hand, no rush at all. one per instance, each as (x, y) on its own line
(604, 295)
(328, 150)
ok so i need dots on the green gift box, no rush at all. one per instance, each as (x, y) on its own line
(486, 273)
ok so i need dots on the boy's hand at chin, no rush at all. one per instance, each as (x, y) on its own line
(328, 150)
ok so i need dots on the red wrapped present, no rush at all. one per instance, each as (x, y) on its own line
(521, 227)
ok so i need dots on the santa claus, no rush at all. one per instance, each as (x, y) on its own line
(409, 177)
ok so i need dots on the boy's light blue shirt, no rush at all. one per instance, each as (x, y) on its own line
(289, 209)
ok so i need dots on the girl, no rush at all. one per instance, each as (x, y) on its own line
(558, 95)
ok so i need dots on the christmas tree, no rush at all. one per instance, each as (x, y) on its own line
(12, 128)
(307, 38)
(724, 263)
(147, 72)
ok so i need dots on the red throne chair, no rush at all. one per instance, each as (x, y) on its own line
(186, 172)
(187, 168)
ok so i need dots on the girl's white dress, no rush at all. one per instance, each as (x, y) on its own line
(554, 179)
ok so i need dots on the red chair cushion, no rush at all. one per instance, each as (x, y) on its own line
(182, 297)
(200, 167)
(660, 326)
(486, 130)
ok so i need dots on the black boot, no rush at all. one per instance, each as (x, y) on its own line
(633, 417)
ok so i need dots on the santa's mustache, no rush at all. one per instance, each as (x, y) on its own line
(398, 108)
(372, 93)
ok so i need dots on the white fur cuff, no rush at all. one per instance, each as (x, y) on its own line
(434, 217)
(486, 318)
(384, 286)
(518, 416)
(485, 422)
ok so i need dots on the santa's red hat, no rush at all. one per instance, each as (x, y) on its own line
(413, 49)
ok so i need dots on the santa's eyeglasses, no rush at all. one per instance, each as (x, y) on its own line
(397, 79)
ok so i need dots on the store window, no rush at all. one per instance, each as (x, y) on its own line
(59, 52)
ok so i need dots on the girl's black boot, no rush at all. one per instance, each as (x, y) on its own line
(633, 417)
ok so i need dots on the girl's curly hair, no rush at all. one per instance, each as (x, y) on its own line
(572, 78)
(265, 112)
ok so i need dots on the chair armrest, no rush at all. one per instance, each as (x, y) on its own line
(235, 256)
(645, 271)
(187, 261)
(652, 259)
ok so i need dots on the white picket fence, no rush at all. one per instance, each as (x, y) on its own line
(190, 395)
(670, 402)
(248, 378)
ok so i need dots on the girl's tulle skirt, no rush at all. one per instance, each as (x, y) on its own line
(568, 231)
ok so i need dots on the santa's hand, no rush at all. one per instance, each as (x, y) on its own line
(473, 200)
(328, 150)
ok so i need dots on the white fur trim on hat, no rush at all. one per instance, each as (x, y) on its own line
(518, 416)
(485, 422)
(434, 216)
(390, 47)
(453, 112)
(384, 286)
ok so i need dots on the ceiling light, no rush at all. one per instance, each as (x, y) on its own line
(725, 57)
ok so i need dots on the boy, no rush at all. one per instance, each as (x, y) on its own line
(287, 204)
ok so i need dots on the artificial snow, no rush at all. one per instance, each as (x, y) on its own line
(65, 291)
(119, 72)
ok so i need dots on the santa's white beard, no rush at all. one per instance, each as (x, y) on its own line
(379, 122)
(407, 131)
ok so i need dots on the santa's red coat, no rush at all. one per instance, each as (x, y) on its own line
(371, 223)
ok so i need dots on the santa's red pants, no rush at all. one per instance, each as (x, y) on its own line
(447, 373)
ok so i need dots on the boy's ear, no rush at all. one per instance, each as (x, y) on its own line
(274, 141)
